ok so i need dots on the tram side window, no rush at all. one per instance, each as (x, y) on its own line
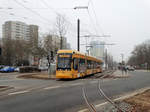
(92, 63)
(75, 64)
(88, 64)
(98, 65)
(82, 62)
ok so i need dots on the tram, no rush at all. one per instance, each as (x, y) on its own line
(71, 64)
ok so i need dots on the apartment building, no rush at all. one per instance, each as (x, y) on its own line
(20, 30)
(97, 49)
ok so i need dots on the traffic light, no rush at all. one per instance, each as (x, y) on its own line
(0, 51)
(47, 57)
(52, 55)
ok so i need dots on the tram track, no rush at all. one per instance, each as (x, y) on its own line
(90, 106)
(101, 92)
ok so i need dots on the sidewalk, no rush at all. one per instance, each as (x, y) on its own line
(120, 74)
(143, 70)
(38, 75)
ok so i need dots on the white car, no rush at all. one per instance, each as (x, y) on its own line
(43, 68)
(17, 69)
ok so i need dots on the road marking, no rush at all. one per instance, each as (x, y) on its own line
(84, 110)
(93, 82)
(75, 84)
(98, 105)
(53, 87)
(6, 80)
(101, 104)
(20, 92)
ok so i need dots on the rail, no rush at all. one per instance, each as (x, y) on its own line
(101, 92)
(90, 106)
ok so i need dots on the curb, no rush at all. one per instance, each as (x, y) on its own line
(33, 76)
(6, 88)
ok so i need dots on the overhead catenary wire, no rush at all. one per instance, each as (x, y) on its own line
(36, 13)
(96, 18)
(90, 17)
(26, 18)
(49, 7)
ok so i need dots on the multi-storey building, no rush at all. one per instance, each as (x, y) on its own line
(33, 35)
(16, 30)
(55, 42)
(19, 30)
(97, 49)
(68, 46)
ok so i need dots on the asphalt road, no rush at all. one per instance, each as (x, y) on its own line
(66, 96)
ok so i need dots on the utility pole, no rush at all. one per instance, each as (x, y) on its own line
(78, 34)
(106, 61)
(122, 56)
(78, 26)
(61, 43)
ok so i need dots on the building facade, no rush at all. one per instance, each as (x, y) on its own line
(20, 30)
(97, 49)
(16, 30)
(54, 42)
(33, 35)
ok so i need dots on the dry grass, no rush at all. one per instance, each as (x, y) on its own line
(141, 102)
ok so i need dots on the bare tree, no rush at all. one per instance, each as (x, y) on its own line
(14, 51)
(48, 46)
(141, 55)
(61, 27)
(8, 52)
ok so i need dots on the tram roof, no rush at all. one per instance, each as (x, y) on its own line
(70, 51)
(77, 52)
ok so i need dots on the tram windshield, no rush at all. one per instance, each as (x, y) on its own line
(64, 61)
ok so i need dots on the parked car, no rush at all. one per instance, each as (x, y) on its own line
(7, 69)
(2, 66)
(130, 68)
(43, 68)
(17, 69)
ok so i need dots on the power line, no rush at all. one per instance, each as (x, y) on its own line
(32, 11)
(90, 17)
(96, 16)
(25, 18)
(49, 7)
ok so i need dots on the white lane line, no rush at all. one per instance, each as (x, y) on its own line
(9, 80)
(101, 104)
(75, 84)
(19, 92)
(93, 82)
(84, 110)
(98, 105)
(53, 87)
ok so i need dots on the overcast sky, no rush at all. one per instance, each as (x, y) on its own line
(126, 20)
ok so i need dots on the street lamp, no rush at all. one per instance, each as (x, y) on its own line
(78, 26)
(81, 7)
(96, 36)
(11, 14)
(6, 8)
